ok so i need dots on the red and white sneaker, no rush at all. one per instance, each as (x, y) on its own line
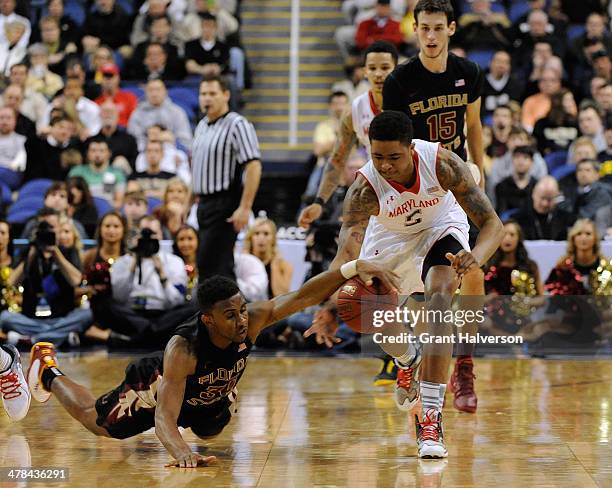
(430, 437)
(461, 384)
(14, 388)
(407, 386)
(43, 356)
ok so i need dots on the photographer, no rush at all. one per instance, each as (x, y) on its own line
(49, 274)
(148, 293)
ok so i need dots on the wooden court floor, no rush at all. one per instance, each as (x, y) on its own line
(319, 422)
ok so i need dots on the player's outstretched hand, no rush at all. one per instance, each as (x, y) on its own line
(324, 325)
(309, 214)
(191, 460)
(368, 270)
(462, 262)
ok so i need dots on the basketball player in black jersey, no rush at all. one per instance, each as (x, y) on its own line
(193, 384)
(440, 92)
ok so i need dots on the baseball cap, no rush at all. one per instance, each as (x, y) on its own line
(109, 69)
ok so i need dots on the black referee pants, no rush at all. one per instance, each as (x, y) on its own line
(217, 237)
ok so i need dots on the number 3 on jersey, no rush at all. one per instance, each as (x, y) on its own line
(413, 218)
(442, 126)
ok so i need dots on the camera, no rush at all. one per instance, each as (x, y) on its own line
(147, 245)
(44, 236)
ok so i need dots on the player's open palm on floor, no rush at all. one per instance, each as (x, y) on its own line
(191, 460)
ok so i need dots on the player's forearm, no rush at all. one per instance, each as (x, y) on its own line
(251, 184)
(475, 146)
(168, 434)
(489, 239)
(329, 181)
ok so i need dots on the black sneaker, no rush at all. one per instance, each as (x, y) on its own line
(388, 373)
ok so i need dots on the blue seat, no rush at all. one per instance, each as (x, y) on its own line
(25, 208)
(517, 10)
(555, 159)
(34, 187)
(6, 196)
(102, 206)
(11, 178)
(20, 216)
(152, 203)
(75, 11)
(508, 214)
(574, 31)
(563, 171)
(137, 91)
(482, 57)
(186, 95)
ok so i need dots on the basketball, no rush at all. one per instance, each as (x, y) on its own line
(357, 303)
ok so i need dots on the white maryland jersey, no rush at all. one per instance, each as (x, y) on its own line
(363, 110)
(424, 206)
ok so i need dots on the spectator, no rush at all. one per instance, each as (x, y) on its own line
(357, 10)
(13, 98)
(153, 180)
(107, 24)
(8, 16)
(500, 85)
(122, 145)
(542, 57)
(49, 275)
(34, 104)
(482, 28)
(500, 131)
(135, 207)
(40, 79)
(595, 32)
(70, 31)
(604, 98)
(6, 248)
(251, 277)
(591, 127)
(590, 194)
(156, 64)
(58, 47)
(381, 27)
(186, 247)
(227, 24)
(537, 106)
(173, 161)
(602, 66)
(544, 218)
(45, 153)
(207, 56)
(125, 101)
(101, 56)
(538, 29)
(556, 26)
(81, 206)
(12, 145)
(605, 156)
(75, 68)
(175, 207)
(514, 192)
(159, 109)
(143, 24)
(12, 51)
(559, 128)
(260, 241)
(603, 221)
(104, 181)
(354, 84)
(69, 236)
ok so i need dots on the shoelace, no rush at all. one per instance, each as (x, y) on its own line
(464, 382)
(429, 428)
(10, 386)
(404, 377)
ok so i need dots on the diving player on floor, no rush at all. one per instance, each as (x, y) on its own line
(194, 383)
(407, 211)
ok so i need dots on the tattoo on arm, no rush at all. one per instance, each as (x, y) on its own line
(455, 176)
(333, 169)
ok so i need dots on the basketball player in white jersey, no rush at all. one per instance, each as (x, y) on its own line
(407, 209)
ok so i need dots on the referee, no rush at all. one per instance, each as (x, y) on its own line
(224, 147)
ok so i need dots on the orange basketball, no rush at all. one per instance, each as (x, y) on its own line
(357, 304)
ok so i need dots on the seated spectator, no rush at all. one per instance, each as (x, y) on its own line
(159, 109)
(135, 207)
(81, 206)
(102, 55)
(584, 149)
(501, 128)
(75, 68)
(12, 145)
(125, 101)
(34, 104)
(482, 28)
(45, 153)
(251, 277)
(13, 98)
(603, 221)
(58, 45)
(354, 84)
(122, 145)
(591, 127)
(8, 15)
(107, 24)
(70, 31)
(559, 128)
(12, 52)
(500, 85)
(207, 55)
(153, 180)
(537, 106)
(260, 241)
(590, 194)
(227, 24)
(69, 236)
(6, 247)
(104, 181)
(604, 98)
(542, 57)
(514, 192)
(10, 298)
(143, 24)
(381, 27)
(49, 275)
(602, 66)
(185, 246)
(175, 207)
(544, 218)
(173, 161)
(156, 64)
(40, 79)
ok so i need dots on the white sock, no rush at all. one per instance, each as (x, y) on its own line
(432, 396)
(410, 358)
(5, 360)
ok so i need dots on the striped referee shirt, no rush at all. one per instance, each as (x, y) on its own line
(217, 151)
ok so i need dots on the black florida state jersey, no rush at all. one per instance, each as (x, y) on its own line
(436, 102)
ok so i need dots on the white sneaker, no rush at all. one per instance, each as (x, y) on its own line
(430, 437)
(14, 388)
